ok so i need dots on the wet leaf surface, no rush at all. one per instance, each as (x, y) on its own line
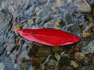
(50, 37)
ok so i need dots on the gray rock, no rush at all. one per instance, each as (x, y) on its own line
(89, 48)
(2, 66)
(60, 2)
(83, 6)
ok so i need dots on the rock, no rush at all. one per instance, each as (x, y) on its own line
(2, 66)
(18, 26)
(90, 67)
(44, 14)
(83, 6)
(74, 64)
(57, 56)
(90, 57)
(60, 2)
(16, 66)
(2, 19)
(63, 2)
(24, 65)
(66, 68)
(91, 2)
(11, 9)
(49, 24)
(65, 55)
(76, 49)
(89, 48)
(43, 51)
(30, 22)
(38, 60)
(37, 10)
(79, 56)
(89, 28)
(64, 61)
(4, 4)
(57, 25)
(57, 49)
(86, 35)
(42, 1)
(52, 65)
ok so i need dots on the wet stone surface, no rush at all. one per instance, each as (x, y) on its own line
(17, 53)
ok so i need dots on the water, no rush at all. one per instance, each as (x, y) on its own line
(17, 53)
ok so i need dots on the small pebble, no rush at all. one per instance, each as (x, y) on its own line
(57, 25)
(4, 4)
(24, 65)
(74, 64)
(88, 48)
(76, 49)
(11, 9)
(30, 22)
(60, 2)
(42, 1)
(16, 66)
(38, 60)
(37, 10)
(66, 55)
(2, 66)
(57, 56)
(79, 56)
(86, 35)
(18, 27)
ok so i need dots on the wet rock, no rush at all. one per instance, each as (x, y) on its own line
(74, 64)
(52, 65)
(86, 35)
(11, 9)
(90, 58)
(24, 65)
(38, 60)
(66, 68)
(57, 25)
(89, 28)
(57, 49)
(79, 56)
(2, 66)
(18, 27)
(16, 66)
(8, 64)
(2, 19)
(76, 49)
(57, 56)
(91, 2)
(43, 51)
(83, 6)
(63, 62)
(39, 67)
(40, 51)
(65, 55)
(90, 67)
(37, 10)
(49, 24)
(44, 14)
(60, 2)
(4, 4)
(63, 2)
(30, 22)
(89, 48)
(42, 1)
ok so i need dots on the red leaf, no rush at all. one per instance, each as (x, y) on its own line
(51, 37)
